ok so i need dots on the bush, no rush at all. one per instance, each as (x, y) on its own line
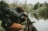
(43, 12)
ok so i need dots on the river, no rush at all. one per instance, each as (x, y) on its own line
(40, 25)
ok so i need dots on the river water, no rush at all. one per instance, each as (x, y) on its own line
(40, 25)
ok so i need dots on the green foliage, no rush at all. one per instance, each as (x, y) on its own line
(36, 6)
(46, 4)
(3, 5)
(43, 12)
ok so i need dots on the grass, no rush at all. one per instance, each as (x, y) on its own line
(1, 28)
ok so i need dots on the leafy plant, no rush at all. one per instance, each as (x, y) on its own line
(43, 12)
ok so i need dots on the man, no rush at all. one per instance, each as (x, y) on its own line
(12, 17)
(22, 16)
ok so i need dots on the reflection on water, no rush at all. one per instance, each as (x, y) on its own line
(41, 25)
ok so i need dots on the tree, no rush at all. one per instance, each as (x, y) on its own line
(43, 12)
(46, 4)
(36, 6)
(3, 5)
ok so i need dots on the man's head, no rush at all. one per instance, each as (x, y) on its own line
(20, 9)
